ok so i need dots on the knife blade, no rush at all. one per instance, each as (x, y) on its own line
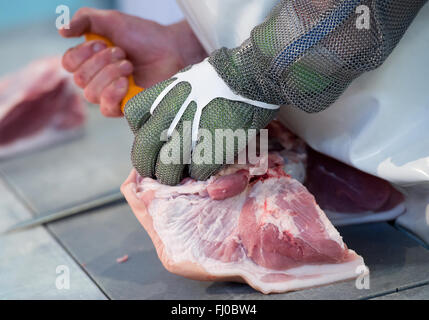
(101, 201)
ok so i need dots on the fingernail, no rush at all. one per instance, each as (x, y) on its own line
(117, 53)
(98, 46)
(126, 66)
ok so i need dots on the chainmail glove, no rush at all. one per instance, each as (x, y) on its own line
(168, 121)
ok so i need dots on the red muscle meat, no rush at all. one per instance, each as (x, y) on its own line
(38, 106)
(272, 218)
(228, 186)
(341, 188)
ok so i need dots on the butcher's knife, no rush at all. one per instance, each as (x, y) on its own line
(133, 88)
(108, 199)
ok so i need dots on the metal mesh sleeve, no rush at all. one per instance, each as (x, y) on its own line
(307, 52)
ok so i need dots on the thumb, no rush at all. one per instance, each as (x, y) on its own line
(89, 20)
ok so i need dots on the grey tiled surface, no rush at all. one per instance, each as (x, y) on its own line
(418, 293)
(395, 261)
(28, 260)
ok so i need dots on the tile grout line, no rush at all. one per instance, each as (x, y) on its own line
(58, 240)
(32, 211)
(401, 289)
(410, 235)
(20, 197)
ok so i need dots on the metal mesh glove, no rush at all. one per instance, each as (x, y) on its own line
(168, 119)
(307, 52)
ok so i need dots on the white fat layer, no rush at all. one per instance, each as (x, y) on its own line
(163, 191)
(266, 193)
(286, 223)
(263, 192)
(185, 223)
(305, 276)
(330, 230)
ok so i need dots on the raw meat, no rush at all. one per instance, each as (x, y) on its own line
(38, 106)
(348, 195)
(265, 230)
(122, 259)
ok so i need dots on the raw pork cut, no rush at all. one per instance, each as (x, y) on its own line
(265, 230)
(38, 107)
(348, 195)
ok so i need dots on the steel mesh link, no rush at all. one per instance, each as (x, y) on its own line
(226, 114)
(178, 148)
(148, 139)
(137, 109)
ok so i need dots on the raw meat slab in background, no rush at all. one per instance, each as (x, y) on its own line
(395, 261)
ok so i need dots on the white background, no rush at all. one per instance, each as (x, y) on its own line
(162, 11)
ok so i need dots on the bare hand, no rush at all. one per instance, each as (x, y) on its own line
(146, 49)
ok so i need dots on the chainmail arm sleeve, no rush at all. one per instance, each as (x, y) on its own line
(307, 52)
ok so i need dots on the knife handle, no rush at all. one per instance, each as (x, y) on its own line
(133, 88)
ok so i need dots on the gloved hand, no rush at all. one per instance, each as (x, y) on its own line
(194, 99)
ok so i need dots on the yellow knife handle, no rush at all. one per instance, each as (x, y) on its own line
(133, 89)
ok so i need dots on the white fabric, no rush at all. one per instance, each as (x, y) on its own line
(206, 86)
(164, 12)
(224, 23)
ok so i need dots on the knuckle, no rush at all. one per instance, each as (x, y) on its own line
(80, 79)
(104, 110)
(107, 56)
(109, 95)
(65, 61)
(83, 11)
(103, 57)
(90, 95)
(113, 71)
(113, 13)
